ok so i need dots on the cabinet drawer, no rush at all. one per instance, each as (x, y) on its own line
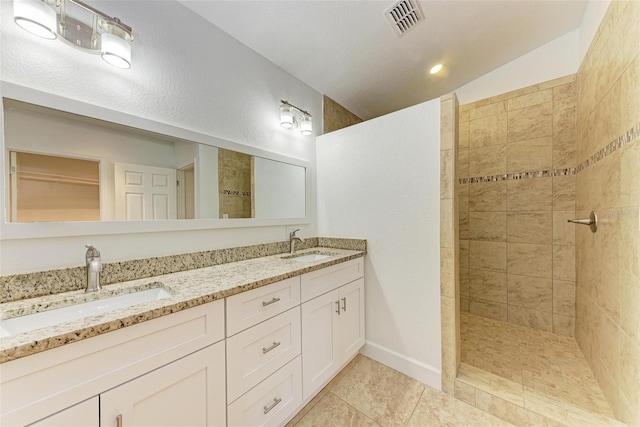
(327, 279)
(272, 401)
(249, 308)
(256, 353)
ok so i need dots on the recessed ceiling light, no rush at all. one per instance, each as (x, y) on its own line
(435, 69)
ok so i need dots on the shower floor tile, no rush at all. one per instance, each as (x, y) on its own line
(546, 366)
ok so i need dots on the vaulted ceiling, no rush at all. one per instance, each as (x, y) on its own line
(348, 50)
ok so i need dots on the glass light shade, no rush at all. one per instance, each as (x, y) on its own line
(115, 50)
(306, 127)
(35, 17)
(286, 116)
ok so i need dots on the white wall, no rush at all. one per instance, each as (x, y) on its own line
(591, 20)
(557, 58)
(379, 180)
(185, 73)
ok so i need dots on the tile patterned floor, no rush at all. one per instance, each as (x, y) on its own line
(367, 393)
(543, 363)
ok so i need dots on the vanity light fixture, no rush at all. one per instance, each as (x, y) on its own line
(79, 25)
(290, 116)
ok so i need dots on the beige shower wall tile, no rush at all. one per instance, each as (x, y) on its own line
(447, 272)
(487, 255)
(447, 174)
(464, 253)
(564, 263)
(462, 194)
(529, 155)
(530, 122)
(564, 325)
(564, 298)
(535, 98)
(533, 293)
(564, 193)
(463, 164)
(564, 149)
(630, 369)
(463, 135)
(463, 225)
(490, 109)
(564, 232)
(564, 114)
(487, 131)
(530, 194)
(529, 259)
(488, 226)
(463, 115)
(492, 310)
(565, 91)
(556, 82)
(464, 282)
(488, 196)
(488, 160)
(530, 318)
(629, 313)
(488, 286)
(447, 219)
(529, 227)
(447, 118)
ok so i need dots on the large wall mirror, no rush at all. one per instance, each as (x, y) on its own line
(64, 170)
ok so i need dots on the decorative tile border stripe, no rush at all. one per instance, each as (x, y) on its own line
(519, 175)
(237, 193)
(624, 139)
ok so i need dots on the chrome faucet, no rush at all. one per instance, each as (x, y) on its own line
(94, 267)
(293, 239)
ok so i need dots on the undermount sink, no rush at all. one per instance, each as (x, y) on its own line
(31, 322)
(309, 256)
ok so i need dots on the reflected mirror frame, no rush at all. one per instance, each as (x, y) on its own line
(60, 229)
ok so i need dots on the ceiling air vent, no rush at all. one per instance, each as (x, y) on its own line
(403, 16)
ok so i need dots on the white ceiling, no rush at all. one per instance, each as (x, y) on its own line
(348, 51)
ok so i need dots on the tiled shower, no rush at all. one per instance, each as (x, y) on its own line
(517, 158)
(528, 161)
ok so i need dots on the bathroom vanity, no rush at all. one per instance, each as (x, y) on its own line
(244, 343)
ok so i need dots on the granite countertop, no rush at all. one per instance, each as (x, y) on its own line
(188, 288)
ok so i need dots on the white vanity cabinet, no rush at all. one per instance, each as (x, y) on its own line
(332, 322)
(187, 392)
(169, 354)
(81, 415)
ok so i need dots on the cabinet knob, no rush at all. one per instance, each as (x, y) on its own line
(338, 309)
(344, 304)
(266, 350)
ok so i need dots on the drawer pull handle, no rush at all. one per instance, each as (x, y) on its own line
(119, 421)
(338, 310)
(344, 304)
(264, 304)
(273, 405)
(268, 349)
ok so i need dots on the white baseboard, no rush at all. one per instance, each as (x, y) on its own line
(413, 368)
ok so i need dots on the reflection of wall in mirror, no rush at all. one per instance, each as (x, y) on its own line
(279, 189)
(40, 130)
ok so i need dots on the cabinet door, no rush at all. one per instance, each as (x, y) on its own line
(351, 328)
(84, 414)
(187, 392)
(319, 331)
